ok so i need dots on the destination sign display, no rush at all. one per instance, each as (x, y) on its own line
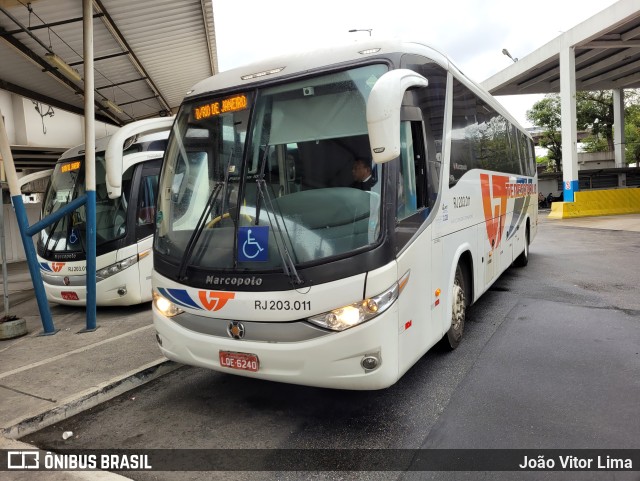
(70, 166)
(218, 107)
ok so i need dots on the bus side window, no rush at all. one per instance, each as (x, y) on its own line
(412, 177)
(147, 200)
(146, 210)
(412, 196)
(431, 101)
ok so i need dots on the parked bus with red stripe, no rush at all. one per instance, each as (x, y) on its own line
(271, 262)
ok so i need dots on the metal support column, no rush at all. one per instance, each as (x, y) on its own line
(618, 134)
(3, 254)
(90, 161)
(569, 122)
(23, 225)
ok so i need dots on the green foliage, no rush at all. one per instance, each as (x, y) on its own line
(632, 134)
(595, 143)
(546, 114)
(594, 112)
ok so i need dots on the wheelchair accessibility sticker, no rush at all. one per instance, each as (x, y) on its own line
(74, 237)
(253, 243)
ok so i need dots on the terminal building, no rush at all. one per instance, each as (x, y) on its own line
(142, 69)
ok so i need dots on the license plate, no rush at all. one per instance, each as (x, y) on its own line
(70, 296)
(239, 360)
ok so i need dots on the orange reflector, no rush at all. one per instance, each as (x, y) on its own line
(437, 293)
(402, 283)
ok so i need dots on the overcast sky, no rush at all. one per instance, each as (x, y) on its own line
(472, 33)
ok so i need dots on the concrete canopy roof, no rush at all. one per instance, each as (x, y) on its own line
(148, 53)
(607, 56)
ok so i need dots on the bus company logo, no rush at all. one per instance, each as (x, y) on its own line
(494, 203)
(57, 266)
(215, 300)
(522, 188)
(54, 267)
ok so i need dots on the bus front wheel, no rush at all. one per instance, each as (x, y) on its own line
(459, 309)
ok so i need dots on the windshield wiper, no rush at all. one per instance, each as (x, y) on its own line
(217, 188)
(197, 231)
(281, 242)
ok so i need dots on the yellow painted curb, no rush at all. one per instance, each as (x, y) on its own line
(592, 203)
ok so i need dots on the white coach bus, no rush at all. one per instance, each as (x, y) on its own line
(125, 222)
(269, 262)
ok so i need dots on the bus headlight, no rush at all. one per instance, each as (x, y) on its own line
(113, 269)
(165, 306)
(358, 312)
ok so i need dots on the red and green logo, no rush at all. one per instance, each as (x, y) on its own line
(494, 203)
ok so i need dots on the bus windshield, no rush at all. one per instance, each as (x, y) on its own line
(67, 184)
(262, 179)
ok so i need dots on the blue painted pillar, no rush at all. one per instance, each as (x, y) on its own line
(91, 261)
(34, 269)
(570, 188)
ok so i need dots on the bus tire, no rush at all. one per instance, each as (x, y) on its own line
(458, 309)
(523, 259)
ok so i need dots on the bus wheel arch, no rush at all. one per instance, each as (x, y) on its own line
(461, 297)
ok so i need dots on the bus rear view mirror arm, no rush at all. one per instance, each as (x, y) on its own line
(383, 112)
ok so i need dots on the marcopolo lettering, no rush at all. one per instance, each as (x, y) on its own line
(234, 281)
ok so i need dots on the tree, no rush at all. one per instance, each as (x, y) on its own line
(632, 134)
(594, 112)
(546, 114)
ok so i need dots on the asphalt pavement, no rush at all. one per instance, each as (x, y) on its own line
(45, 379)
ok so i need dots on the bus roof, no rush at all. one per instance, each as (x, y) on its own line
(102, 143)
(298, 63)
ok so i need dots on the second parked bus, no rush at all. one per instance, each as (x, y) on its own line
(125, 222)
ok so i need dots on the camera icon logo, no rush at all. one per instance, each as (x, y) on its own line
(23, 460)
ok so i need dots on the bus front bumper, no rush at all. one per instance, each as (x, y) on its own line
(334, 360)
(113, 291)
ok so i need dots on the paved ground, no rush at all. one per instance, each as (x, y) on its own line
(629, 223)
(47, 378)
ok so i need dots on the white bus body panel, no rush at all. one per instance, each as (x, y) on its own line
(136, 279)
(332, 360)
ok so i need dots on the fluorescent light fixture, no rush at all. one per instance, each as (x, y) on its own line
(113, 106)
(63, 67)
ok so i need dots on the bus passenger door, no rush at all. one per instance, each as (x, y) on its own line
(145, 222)
(418, 330)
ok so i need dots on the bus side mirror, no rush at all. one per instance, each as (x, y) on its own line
(383, 112)
(114, 151)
